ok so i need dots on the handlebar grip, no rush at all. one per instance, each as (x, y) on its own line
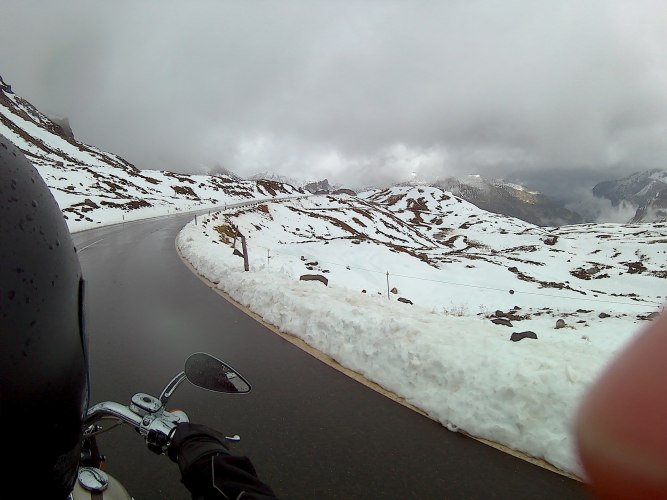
(157, 441)
(159, 431)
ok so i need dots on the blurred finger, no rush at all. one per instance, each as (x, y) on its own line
(621, 428)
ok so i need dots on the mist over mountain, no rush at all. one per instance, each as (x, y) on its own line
(219, 169)
(63, 123)
(510, 199)
(640, 188)
(646, 191)
(620, 194)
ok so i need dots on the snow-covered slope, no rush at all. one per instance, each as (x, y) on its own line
(94, 187)
(425, 291)
(582, 261)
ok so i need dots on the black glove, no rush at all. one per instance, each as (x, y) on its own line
(191, 442)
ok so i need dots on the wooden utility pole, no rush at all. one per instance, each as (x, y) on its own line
(246, 266)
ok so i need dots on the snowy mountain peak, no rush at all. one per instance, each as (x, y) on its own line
(4, 86)
(322, 186)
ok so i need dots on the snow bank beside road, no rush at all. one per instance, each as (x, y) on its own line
(462, 371)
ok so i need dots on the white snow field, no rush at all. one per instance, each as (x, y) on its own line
(461, 268)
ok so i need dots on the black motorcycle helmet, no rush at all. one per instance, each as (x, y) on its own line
(43, 362)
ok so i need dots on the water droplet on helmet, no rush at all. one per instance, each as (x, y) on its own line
(34, 203)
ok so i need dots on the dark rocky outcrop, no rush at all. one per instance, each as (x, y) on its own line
(319, 187)
(345, 191)
(516, 336)
(63, 123)
(649, 316)
(501, 321)
(314, 277)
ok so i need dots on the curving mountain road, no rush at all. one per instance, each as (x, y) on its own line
(311, 432)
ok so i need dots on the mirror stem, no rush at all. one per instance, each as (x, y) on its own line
(171, 387)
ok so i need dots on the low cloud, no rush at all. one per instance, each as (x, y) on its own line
(596, 209)
(361, 93)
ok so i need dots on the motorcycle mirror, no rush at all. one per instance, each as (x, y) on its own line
(208, 372)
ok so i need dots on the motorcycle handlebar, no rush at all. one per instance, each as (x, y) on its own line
(156, 428)
(109, 409)
(147, 415)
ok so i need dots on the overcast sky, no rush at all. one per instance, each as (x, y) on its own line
(360, 92)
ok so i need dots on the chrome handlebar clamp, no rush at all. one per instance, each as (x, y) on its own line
(145, 404)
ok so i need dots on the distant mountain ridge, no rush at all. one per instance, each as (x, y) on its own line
(509, 199)
(647, 191)
(275, 177)
(84, 178)
(313, 187)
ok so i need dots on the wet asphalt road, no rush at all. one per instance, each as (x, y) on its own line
(311, 432)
